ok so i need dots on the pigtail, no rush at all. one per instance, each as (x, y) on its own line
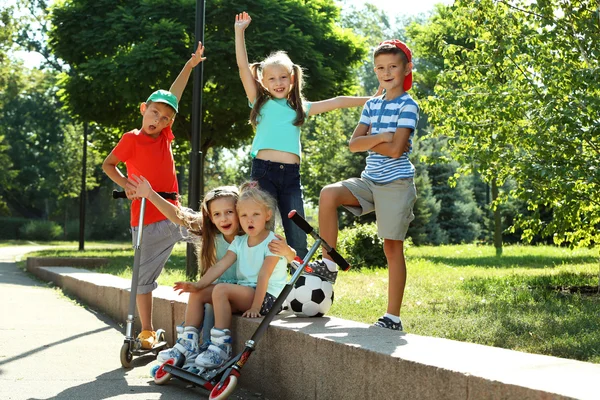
(208, 251)
(295, 98)
(262, 95)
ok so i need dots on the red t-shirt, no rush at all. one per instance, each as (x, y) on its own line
(151, 158)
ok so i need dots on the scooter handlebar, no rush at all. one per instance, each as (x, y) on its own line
(301, 222)
(305, 226)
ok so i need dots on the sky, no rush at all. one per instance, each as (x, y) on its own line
(394, 7)
(399, 7)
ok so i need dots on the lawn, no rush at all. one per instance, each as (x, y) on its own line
(537, 299)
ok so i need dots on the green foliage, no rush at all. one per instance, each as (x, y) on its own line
(361, 246)
(44, 147)
(123, 50)
(11, 227)
(515, 99)
(72, 230)
(41, 230)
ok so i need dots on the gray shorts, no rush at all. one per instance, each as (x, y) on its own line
(392, 202)
(158, 240)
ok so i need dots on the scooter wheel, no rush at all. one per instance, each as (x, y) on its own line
(153, 370)
(221, 392)
(126, 356)
(160, 375)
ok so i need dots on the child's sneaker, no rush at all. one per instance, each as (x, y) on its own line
(320, 269)
(147, 339)
(186, 346)
(218, 352)
(385, 322)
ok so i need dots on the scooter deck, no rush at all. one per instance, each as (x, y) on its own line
(187, 376)
(158, 346)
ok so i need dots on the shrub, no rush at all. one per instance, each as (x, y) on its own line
(41, 230)
(72, 230)
(109, 229)
(361, 246)
(11, 227)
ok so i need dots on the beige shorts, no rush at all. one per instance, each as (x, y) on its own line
(392, 202)
(158, 240)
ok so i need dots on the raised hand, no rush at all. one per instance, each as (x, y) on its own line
(242, 20)
(197, 57)
(138, 187)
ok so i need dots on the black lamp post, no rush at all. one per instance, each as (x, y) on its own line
(196, 177)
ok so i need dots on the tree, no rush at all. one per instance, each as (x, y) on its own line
(514, 99)
(122, 50)
(45, 147)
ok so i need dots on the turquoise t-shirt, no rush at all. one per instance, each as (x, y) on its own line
(275, 129)
(250, 261)
(230, 275)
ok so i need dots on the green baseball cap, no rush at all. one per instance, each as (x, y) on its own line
(164, 96)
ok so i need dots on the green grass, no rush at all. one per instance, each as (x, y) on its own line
(525, 300)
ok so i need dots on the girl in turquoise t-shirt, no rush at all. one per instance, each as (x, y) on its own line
(261, 274)
(274, 90)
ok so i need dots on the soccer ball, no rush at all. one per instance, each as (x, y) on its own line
(311, 296)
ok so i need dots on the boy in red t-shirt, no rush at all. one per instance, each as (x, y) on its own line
(147, 152)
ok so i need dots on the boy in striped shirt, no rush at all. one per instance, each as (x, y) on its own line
(386, 185)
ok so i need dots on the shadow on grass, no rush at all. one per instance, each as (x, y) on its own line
(550, 314)
(525, 261)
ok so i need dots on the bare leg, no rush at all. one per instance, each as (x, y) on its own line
(227, 299)
(331, 197)
(194, 312)
(394, 252)
(144, 304)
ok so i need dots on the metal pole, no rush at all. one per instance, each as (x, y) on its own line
(82, 195)
(195, 185)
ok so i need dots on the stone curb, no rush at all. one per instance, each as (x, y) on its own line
(330, 358)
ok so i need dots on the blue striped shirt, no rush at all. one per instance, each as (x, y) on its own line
(386, 116)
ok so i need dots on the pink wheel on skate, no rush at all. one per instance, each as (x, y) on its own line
(161, 376)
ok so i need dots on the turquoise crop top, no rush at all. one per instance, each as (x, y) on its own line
(275, 129)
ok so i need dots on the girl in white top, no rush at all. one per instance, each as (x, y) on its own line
(261, 274)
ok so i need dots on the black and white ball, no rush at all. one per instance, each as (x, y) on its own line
(311, 296)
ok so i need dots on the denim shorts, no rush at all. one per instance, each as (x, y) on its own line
(282, 181)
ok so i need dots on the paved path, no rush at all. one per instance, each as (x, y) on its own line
(53, 348)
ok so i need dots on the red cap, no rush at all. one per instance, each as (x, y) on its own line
(402, 46)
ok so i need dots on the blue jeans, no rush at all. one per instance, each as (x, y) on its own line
(282, 181)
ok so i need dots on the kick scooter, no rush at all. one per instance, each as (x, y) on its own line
(222, 381)
(131, 346)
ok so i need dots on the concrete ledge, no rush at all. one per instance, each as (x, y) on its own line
(331, 358)
(80, 262)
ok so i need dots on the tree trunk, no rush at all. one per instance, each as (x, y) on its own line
(497, 221)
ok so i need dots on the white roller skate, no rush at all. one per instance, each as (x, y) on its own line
(218, 352)
(186, 346)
